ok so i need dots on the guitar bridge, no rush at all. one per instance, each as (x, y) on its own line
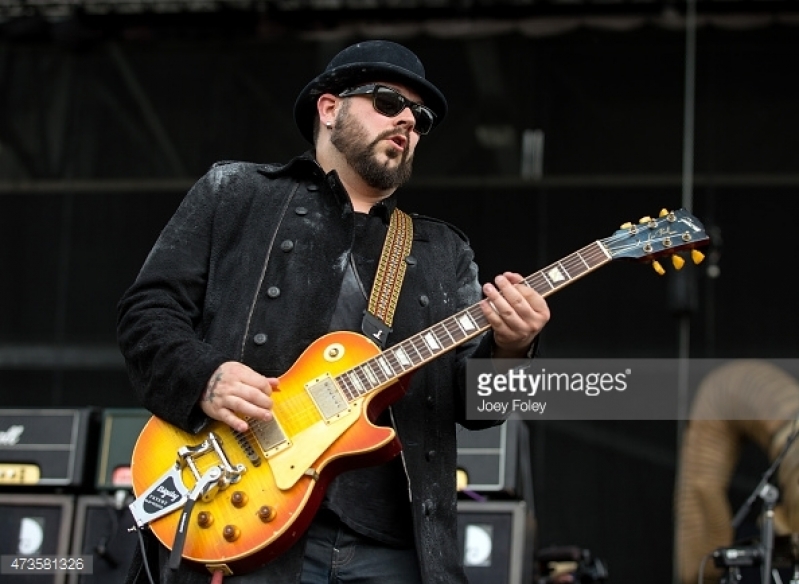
(327, 398)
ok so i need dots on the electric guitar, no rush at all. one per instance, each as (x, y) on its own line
(229, 501)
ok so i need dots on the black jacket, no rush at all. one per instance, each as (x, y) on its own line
(249, 268)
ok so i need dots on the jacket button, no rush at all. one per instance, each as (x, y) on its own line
(287, 245)
(273, 292)
(301, 211)
(259, 339)
(424, 300)
(427, 507)
(430, 400)
(429, 455)
(410, 260)
(313, 187)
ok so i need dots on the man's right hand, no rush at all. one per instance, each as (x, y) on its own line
(236, 390)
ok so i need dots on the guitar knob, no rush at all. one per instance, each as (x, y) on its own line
(205, 519)
(663, 213)
(677, 262)
(697, 256)
(231, 533)
(658, 268)
(645, 220)
(239, 499)
(626, 225)
(267, 513)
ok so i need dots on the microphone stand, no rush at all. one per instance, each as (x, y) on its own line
(769, 494)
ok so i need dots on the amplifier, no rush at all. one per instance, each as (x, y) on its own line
(44, 447)
(120, 428)
(496, 541)
(101, 531)
(35, 525)
(496, 460)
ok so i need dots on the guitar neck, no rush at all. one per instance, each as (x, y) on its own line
(428, 344)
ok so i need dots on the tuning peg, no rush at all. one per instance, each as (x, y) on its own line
(697, 256)
(677, 262)
(626, 225)
(658, 268)
(645, 220)
(663, 213)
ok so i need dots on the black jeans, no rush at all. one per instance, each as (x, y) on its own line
(335, 554)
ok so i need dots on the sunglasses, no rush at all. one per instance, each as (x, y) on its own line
(390, 102)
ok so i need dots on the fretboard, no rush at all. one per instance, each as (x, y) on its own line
(425, 346)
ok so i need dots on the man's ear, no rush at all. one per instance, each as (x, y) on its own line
(326, 108)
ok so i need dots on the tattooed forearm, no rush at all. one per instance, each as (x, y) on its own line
(209, 391)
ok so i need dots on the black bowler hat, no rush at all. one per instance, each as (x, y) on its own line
(366, 62)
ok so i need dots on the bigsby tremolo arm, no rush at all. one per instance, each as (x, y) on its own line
(170, 493)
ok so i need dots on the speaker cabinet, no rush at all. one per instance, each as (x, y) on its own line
(101, 531)
(119, 431)
(35, 525)
(496, 541)
(496, 460)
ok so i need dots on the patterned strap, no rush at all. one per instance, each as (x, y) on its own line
(390, 272)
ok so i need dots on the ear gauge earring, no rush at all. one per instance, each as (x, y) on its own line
(329, 125)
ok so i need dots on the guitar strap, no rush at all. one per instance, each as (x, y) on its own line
(379, 315)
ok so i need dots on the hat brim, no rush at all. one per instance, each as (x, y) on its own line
(346, 76)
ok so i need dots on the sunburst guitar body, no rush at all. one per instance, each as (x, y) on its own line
(281, 468)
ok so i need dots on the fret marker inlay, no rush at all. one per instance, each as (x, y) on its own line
(555, 275)
(431, 341)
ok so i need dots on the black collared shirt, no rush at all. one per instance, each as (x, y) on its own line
(374, 500)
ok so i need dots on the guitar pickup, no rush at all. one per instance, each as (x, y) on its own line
(327, 398)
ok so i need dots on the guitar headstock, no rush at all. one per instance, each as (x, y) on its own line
(651, 238)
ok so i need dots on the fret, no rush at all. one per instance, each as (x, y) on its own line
(381, 375)
(454, 330)
(412, 342)
(420, 343)
(391, 363)
(579, 255)
(443, 325)
(538, 280)
(572, 265)
(367, 385)
(346, 387)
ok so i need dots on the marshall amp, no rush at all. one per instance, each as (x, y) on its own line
(44, 447)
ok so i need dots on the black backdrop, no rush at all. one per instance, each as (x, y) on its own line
(101, 136)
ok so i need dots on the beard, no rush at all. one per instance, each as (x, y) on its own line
(349, 137)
